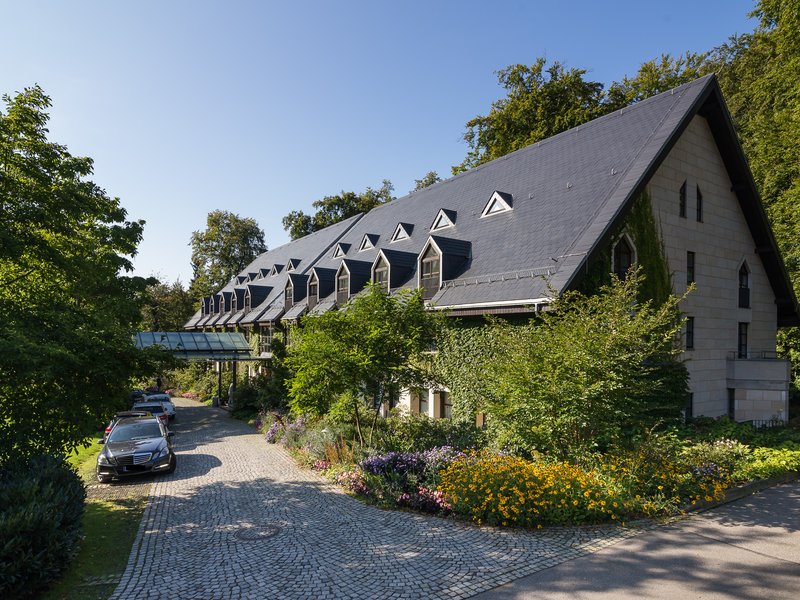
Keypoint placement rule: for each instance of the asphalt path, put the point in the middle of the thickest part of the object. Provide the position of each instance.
(749, 548)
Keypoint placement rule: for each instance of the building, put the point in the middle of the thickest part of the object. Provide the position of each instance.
(663, 177)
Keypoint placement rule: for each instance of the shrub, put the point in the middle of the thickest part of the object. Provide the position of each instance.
(40, 525)
(414, 433)
(769, 462)
(726, 454)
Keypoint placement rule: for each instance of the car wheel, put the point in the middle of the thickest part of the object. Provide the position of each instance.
(172, 464)
(104, 478)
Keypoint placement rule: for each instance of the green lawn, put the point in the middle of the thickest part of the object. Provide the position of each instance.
(109, 528)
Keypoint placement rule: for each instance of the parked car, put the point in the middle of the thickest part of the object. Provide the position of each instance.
(154, 408)
(165, 400)
(135, 446)
(123, 415)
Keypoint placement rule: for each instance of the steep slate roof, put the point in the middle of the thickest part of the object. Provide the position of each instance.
(568, 193)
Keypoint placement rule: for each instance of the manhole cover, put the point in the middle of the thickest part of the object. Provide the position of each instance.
(259, 532)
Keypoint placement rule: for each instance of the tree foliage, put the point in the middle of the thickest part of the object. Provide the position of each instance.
(332, 209)
(589, 367)
(427, 180)
(227, 245)
(365, 349)
(167, 307)
(69, 311)
(542, 101)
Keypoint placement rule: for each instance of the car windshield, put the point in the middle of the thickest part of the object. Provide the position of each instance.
(154, 408)
(135, 431)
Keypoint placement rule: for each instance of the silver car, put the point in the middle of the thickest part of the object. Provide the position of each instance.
(165, 399)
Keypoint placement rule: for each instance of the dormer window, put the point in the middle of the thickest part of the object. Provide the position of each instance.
(288, 297)
(380, 275)
(623, 256)
(430, 278)
(342, 287)
(293, 264)
(275, 270)
(340, 251)
(402, 232)
(313, 291)
(499, 202)
(233, 304)
(744, 286)
(444, 219)
(368, 242)
(247, 302)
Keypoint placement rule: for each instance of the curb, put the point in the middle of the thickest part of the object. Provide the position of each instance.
(745, 489)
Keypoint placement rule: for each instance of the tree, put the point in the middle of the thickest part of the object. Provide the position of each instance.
(590, 367)
(167, 307)
(541, 102)
(228, 244)
(69, 311)
(370, 346)
(428, 179)
(332, 209)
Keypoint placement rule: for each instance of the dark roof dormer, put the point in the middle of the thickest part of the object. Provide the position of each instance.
(499, 202)
(445, 218)
(358, 274)
(401, 265)
(340, 250)
(276, 269)
(325, 279)
(241, 279)
(368, 242)
(298, 283)
(454, 254)
(293, 264)
(237, 300)
(402, 232)
(257, 293)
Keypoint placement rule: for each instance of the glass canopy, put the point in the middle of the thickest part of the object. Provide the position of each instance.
(198, 345)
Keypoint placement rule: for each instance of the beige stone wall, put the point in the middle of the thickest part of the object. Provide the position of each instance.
(720, 243)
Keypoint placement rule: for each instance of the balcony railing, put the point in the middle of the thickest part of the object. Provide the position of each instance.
(754, 355)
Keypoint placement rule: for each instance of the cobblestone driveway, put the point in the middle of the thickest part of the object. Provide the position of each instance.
(239, 520)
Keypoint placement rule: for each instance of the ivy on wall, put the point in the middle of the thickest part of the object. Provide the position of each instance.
(641, 227)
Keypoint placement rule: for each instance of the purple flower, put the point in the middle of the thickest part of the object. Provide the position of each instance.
(272, 433)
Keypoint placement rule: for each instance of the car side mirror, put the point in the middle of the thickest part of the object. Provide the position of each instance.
(101, 441)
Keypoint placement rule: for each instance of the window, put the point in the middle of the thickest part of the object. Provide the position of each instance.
(742, 348)
(342, 287)
(313, 292)
(445, 405)
(430, 273)
(444, 219)
(423, 402)
(689, 268)
(288, 297)
(682, 205)
(498, 203)
(623, 258)
(380, 276)
(233, 304)
(401, 232)
(744, 286)
(689, 333)
(265, 339)
(699, 205)
(247, 302)
(731, 403)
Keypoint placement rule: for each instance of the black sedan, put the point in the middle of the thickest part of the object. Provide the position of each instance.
(136, 446)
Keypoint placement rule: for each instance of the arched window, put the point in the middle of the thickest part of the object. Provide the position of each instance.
(431, 268)
(744, 286)
(623, 258)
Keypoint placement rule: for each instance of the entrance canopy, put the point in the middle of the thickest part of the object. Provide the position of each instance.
(198, 345)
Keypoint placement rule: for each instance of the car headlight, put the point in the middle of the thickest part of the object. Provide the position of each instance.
(103, 460)
(163, 452)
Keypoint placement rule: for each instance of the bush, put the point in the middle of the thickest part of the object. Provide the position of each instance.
(415, 433)
(710, 429)
(769, 462)
(40, 525)
(728, 455)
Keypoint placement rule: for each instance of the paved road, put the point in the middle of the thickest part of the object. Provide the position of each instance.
(238, 520)
(747, 549)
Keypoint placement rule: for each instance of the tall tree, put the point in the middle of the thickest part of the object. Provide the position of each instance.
(227, 245)
(332, 209)
(167, 306)
(427, 180)
(69, 311)
(543, 101)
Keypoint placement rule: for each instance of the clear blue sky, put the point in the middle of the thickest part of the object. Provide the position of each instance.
(262, 107)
